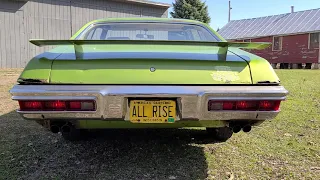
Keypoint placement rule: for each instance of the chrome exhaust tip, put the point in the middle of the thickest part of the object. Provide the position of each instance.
(246, 128)
(236, 129)
(66, 128)
(54, 129)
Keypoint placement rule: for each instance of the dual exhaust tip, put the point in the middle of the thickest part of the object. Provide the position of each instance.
(237, 128)
(65, 128)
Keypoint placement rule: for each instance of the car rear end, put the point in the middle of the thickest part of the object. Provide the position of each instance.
(150, 83)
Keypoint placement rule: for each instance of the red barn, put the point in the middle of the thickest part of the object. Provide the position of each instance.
(294, 37)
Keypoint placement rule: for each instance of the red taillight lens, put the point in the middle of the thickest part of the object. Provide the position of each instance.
(82, 105)
(269, 105)
(30, 105)
(242, 105)
(249, 105)
(75, 105)
(58, 105)
(228, 105)
(55, 105)
(220, 105)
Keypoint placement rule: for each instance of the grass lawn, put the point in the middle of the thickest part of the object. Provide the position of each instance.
(287, 147)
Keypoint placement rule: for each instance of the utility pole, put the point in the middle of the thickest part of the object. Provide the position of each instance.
(229, 11)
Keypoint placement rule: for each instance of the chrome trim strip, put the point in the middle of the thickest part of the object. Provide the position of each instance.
(112, 100)
(246, 98)
(54, 112)
(53, 98)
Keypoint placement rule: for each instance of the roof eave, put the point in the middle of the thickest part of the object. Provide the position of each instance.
(291, 34)
(148, 3)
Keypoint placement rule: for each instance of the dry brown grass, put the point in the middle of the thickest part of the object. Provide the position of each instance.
(285, 148)
(8, 78)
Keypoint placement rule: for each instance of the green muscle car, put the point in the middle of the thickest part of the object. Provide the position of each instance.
(148, 73)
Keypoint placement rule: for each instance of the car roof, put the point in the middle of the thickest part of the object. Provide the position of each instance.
(148, 19)
(142, 19)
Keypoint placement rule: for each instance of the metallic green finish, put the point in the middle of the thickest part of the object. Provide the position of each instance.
(37, 69)
(261, 70)
(138, 72)
(131, 71)
(100, 124)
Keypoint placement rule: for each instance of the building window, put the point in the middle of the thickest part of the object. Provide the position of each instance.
(314, 40)
(277, 43)
(247, 40)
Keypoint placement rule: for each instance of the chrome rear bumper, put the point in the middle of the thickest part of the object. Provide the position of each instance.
(112, 100)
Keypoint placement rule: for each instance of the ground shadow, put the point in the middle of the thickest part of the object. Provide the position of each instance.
(30, 151)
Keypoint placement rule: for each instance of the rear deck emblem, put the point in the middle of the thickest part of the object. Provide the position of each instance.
(152, 69)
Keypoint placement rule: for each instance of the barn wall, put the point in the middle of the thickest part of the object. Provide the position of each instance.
(12, 31)
(54, 19)
(84, 11)
(294, 50)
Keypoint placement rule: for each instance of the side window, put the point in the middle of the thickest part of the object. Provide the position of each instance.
(277, 43)
(177, 35)
(314, 41)
(202, 36)
(95, 34)
(195, 34)
(247, 40)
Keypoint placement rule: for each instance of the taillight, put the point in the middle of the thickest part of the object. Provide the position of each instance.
(228, 105)
(269, 105)
(57, 105)
(30, 105)
(244, 105)
(75, 105)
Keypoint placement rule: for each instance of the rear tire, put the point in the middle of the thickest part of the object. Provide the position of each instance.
(221, 134)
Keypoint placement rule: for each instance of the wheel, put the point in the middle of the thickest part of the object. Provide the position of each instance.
(220, 134)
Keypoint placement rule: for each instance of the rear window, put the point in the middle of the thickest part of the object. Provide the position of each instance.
(148, 31)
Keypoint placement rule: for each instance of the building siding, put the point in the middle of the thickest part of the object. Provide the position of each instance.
(295, 49)
(54, 19)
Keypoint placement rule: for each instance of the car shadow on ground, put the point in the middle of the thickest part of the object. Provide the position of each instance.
(30, 151)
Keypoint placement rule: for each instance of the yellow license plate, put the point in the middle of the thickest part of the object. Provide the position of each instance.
(149, 111)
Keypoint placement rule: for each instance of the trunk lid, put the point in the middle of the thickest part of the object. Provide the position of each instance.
(147, 63)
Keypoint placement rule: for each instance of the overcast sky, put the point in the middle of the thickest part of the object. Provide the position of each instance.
(243, 9)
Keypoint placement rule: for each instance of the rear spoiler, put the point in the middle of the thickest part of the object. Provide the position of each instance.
(79, 43)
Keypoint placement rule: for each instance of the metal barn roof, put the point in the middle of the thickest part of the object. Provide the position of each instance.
(283, 24)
